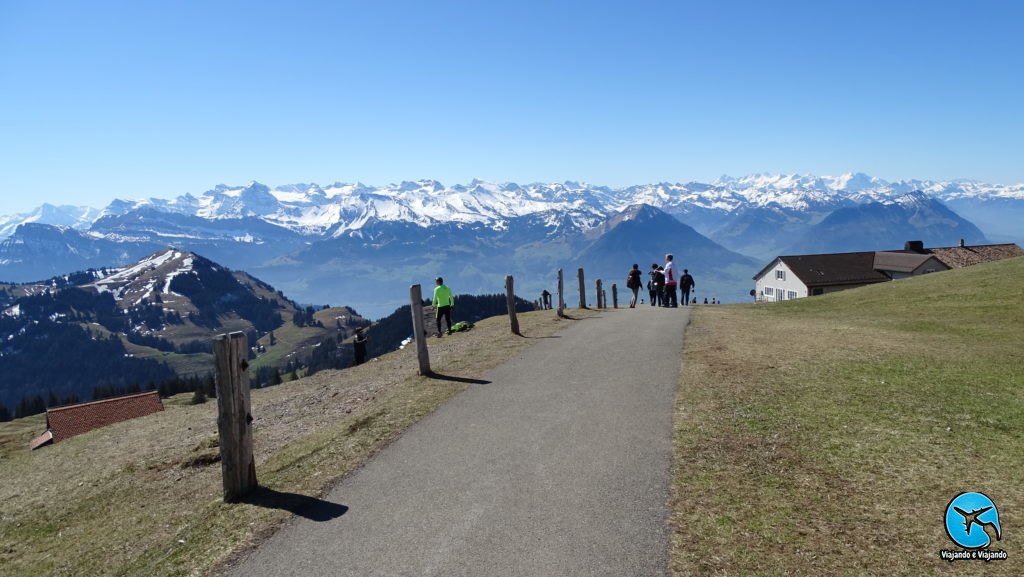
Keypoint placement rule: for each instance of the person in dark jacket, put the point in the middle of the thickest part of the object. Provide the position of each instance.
(685, 285)
(634, 283)
(659, 283)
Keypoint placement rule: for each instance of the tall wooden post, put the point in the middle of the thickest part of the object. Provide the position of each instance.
(600, 301)
(583, 290)
(419, 332)
(615, 296)
(561, 294)
(234, 415)
(510, 299)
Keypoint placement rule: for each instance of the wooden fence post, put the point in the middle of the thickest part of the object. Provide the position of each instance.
(419, 332)
(561, 294)
(600, 301)
(615, 296)
(234, 415)
(583, 290)
(510, 296)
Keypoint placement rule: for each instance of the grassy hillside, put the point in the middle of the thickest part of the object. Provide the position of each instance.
(826, 436)
(143, 497)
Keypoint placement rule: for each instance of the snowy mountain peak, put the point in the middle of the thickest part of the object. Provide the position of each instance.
(147, 278)
(311, 210)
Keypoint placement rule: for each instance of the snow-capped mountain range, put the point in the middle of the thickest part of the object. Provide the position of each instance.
(312, 210)
(364, 245)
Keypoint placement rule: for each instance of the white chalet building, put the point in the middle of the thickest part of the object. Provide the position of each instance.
(798, 276)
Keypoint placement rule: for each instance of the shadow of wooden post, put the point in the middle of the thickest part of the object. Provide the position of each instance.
(419, 331)
(234, 415)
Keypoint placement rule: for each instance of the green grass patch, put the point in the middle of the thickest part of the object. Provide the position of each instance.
(825, 436)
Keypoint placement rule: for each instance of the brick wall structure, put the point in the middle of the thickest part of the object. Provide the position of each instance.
(66, 422)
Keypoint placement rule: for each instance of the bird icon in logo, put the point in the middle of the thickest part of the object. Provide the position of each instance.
(967, 510)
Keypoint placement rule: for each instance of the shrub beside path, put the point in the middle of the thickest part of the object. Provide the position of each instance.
(557, 463)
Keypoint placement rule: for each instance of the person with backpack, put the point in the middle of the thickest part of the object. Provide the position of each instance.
(634, 283)
(686, 284)
(443, 303)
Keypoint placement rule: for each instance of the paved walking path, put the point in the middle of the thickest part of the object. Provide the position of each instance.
(560, 466)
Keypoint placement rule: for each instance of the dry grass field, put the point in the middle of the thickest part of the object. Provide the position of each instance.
(826, 436)
(144, 497)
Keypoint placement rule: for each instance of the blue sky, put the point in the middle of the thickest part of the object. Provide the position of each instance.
(100, 100)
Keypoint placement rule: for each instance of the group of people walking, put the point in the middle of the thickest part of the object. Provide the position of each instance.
(663, 285)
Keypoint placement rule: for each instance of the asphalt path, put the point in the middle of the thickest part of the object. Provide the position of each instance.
(559, 466)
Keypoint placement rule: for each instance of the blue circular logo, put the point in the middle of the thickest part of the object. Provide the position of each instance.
(972, 520)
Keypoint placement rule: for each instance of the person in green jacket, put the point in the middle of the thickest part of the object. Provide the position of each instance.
(443, 304)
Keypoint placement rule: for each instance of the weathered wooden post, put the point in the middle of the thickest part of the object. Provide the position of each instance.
(583, 290)
(419, 332)
(510, 299)
(600, 302)
(561, 294)
(234, 415)
(615, 296)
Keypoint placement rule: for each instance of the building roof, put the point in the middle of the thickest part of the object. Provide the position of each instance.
(65, 422)
(847, 268)
(903, 261)
(831, 269)
(961, 256)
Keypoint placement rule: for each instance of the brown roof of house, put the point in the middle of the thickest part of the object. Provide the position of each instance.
(65, 422)
(903, 261)
(961, 256)
(834, 269)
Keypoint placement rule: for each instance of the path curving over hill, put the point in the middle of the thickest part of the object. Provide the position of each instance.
(558, 465)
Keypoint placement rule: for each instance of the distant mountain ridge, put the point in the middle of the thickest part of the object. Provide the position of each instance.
(360, 244)
(312, 210)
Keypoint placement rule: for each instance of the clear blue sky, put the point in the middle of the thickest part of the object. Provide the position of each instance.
(104, 99)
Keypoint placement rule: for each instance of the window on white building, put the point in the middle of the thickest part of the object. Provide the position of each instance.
(769, 290)
(791, 295)
(780, 275)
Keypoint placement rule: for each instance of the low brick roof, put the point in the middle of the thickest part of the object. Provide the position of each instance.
(66, 422)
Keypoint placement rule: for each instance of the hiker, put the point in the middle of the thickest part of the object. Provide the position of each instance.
(443, 303)
(685, 285)
(359, 344)
(658, 278)
(634, 283)
(652, 289)
(671, 279)
(545, 299)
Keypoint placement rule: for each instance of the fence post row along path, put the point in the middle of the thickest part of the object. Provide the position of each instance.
(234, 416)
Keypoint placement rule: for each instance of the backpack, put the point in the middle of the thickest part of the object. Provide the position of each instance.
(461, 326)
(633, 279)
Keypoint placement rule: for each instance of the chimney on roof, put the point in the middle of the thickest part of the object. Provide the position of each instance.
(914, 245)
(961, 242)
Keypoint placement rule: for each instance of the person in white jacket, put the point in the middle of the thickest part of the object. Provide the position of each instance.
(671, 280)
